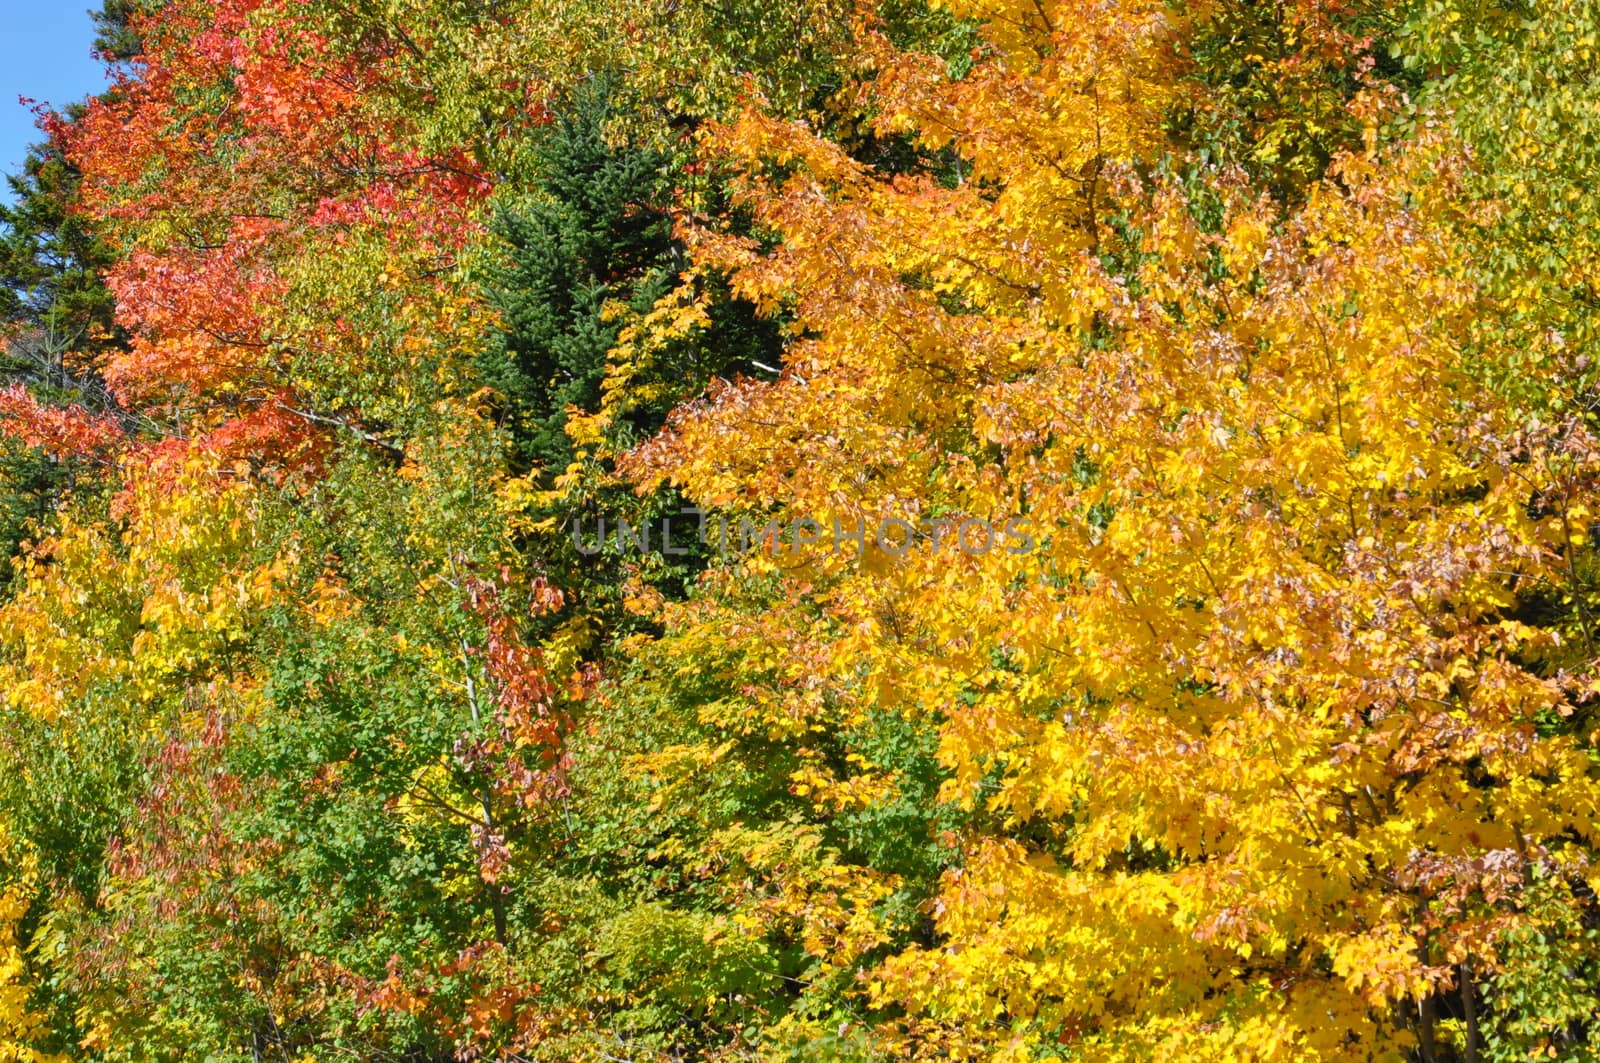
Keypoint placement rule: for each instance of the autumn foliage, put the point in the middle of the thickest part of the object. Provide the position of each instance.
(1265, 732)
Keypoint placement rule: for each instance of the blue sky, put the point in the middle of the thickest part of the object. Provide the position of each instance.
(44, 54)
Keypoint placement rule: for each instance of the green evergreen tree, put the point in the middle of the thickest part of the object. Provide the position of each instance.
(115, 39)
(57, 323)
(594, 232)
(594, 228)
(52, 295)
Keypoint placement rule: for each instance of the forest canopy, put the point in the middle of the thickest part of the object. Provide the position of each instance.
(656, 530)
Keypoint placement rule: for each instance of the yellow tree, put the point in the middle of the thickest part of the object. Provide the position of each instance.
(1270, 744)
(19, 1023)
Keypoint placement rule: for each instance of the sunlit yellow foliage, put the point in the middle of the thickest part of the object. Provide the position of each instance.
(19, 1024)
(166, 598)
(1259, 696)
